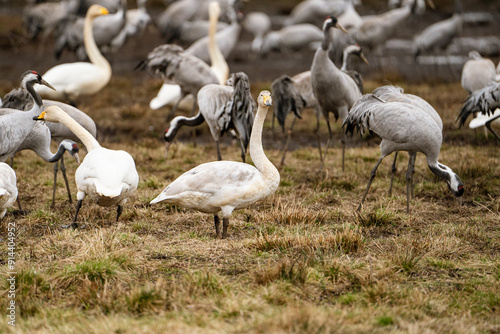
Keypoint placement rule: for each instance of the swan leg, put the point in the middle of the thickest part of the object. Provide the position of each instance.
(74, 224)
(225, 224)
(219, 156)
(372, 176)
(217, 225)
(119, 211)
(288, 139)
(393, 170)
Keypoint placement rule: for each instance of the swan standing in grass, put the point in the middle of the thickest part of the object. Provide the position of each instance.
(107, 176)
(8, 188)
(72, 80)
(227, 185)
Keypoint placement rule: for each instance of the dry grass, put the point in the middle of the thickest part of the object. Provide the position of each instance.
(301, 261)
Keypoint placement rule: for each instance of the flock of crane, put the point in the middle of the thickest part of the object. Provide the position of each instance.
(198, 78)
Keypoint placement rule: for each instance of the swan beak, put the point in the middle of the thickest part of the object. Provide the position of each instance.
(363, 58)
(267, 101)
(43, 82)
(339, 26)
(167, 147)
(76, 157)
(104, 11)
(39, 117)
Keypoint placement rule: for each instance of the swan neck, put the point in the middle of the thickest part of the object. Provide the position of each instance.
(86, 138)
(91, 48)
(259, 158)
(217, 60)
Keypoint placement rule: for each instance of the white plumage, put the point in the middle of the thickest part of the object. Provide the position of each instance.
(8, 188)
(108, 177)
(227, 185)
(72, 80)
(478, 72)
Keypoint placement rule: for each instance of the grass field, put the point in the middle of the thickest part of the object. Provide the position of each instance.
(301, 261)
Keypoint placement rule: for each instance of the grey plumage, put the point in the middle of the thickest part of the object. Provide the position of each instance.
(291, 38)
(335, 91)
(402, 127)
(224, 108)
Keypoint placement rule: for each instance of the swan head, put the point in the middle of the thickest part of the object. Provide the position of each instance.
(264, 99)
(214, 10)
(51, 114)
(332, 22)
(33, 77)
(73, 149)
(96, 10)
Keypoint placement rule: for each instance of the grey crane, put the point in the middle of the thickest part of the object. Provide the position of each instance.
(310, 11)
(440, 34)
(478, 72)
(485, 101)
(224, 108)
(396, 94)
(70, 34)
(295, 93)
(402, 127)
(170, 21)
(335, 90)
(173, 64)
(16, 126)
(21, 99)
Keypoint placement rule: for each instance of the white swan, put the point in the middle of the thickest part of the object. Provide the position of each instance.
(8, 188)
(72, 80)
(227, 185)
(107, 176)
(170, 93)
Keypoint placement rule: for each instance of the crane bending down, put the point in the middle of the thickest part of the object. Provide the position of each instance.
(224, 108)
(485, 101)
(107, 176)
(402, 127)
(390, 93)
(227, 185)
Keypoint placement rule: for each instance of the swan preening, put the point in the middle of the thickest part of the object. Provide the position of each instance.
(227, 185)
(108, 177)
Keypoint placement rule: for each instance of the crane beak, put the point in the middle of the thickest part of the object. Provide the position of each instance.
(460, 202)
(431, 4)
(76, 157)
(363, 58)
(339, 26)
(39, 117)
(43, 82)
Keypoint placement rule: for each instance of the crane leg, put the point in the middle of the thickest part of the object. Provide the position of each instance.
(119, 211)
(372, 176)
(225, 224)
(330, 134)
(243, 151)
(393, 170)
(488, 125)
(343, 150)
(63, 170)
(217, 225)
(174, 109)
(288, 139)
(409, 180)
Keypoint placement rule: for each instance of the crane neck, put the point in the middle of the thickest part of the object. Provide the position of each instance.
(54, 157)
(179, 122)
(86, 138)
(259, 158)
(36, 97)
(93, 52)
(326, 39)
